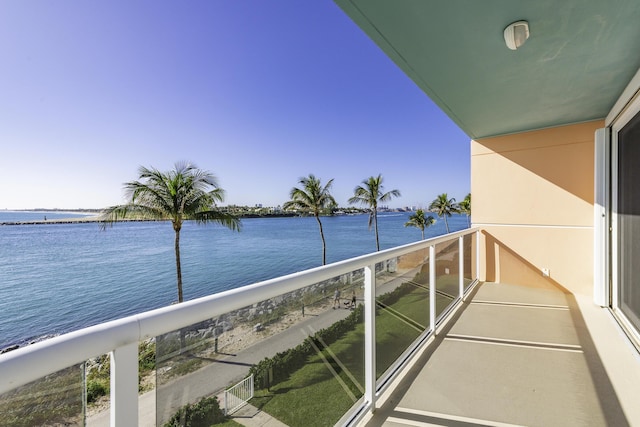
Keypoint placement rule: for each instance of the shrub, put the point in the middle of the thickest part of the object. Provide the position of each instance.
(271, 371)
(202, 414)
(96, 389)
(147, 356)
(98, 378)
(395, 295)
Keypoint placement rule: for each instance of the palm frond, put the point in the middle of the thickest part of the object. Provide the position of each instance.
(311, 196)
(389, 195)
(182, 193)
(230, 221)
(361, 196)
(442, 205)
(129, 211)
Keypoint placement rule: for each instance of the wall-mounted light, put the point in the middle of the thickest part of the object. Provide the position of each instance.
(516, 34)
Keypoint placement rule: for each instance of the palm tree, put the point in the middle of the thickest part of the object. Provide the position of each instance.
(443, 207)
(369, 195)
(313, 198)
(184, 193)
(420, 221)
(465, 207)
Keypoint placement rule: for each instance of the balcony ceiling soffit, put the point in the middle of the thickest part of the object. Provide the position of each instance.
(580, 56)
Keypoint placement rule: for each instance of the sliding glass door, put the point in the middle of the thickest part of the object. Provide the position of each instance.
(626, 219)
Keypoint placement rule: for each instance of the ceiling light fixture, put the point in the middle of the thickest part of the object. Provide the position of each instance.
(516, 34)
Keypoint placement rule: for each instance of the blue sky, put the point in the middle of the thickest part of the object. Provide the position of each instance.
(260, 93)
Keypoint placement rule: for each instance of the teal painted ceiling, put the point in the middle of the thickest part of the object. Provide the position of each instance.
(580, 56)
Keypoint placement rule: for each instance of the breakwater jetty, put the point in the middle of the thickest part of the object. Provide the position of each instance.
(97, 219)
(67, 221)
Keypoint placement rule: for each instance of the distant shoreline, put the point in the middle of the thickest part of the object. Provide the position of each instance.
(56, 210)
(65, 221)
(95, 218)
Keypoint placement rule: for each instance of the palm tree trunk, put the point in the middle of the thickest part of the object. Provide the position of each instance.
(375, 226)
(183, 339)
(446, 224)
(422, 233)
(178, 268)
(468, 221)
(324, 245)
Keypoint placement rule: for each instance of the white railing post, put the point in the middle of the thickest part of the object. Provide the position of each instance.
(461, 264)
(370, 335)
(478, 254)
(432, 288)
(124, 385)
(251, 389)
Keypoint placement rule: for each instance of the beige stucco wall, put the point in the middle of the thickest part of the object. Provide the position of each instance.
(533, 195)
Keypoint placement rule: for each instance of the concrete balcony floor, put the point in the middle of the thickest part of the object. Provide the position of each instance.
(517, 355)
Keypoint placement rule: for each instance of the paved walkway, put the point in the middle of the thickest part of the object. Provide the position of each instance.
(251, 416)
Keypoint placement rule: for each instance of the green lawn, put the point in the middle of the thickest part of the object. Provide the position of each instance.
(320, 392)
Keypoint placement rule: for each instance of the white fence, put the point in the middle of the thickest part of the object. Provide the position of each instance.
(238, 395)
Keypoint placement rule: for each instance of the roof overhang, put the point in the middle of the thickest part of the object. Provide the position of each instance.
(580, 56)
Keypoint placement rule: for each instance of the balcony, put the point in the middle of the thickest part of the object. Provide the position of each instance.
(425, 343)
(519, 355)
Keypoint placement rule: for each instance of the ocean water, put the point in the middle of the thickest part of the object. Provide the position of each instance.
(56, 278)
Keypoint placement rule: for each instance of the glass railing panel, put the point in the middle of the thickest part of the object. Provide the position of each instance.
(447, 275)
(55, 400)
(305, 350)
(468, 242)
(402, 305)
(98, 387)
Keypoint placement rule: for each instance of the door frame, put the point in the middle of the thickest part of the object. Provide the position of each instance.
(630, 111)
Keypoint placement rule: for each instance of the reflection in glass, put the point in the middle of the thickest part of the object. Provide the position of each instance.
(299, 346)
(628, 216)
(57, 399)
(467, 242)
(447, 275)
(402, 305)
